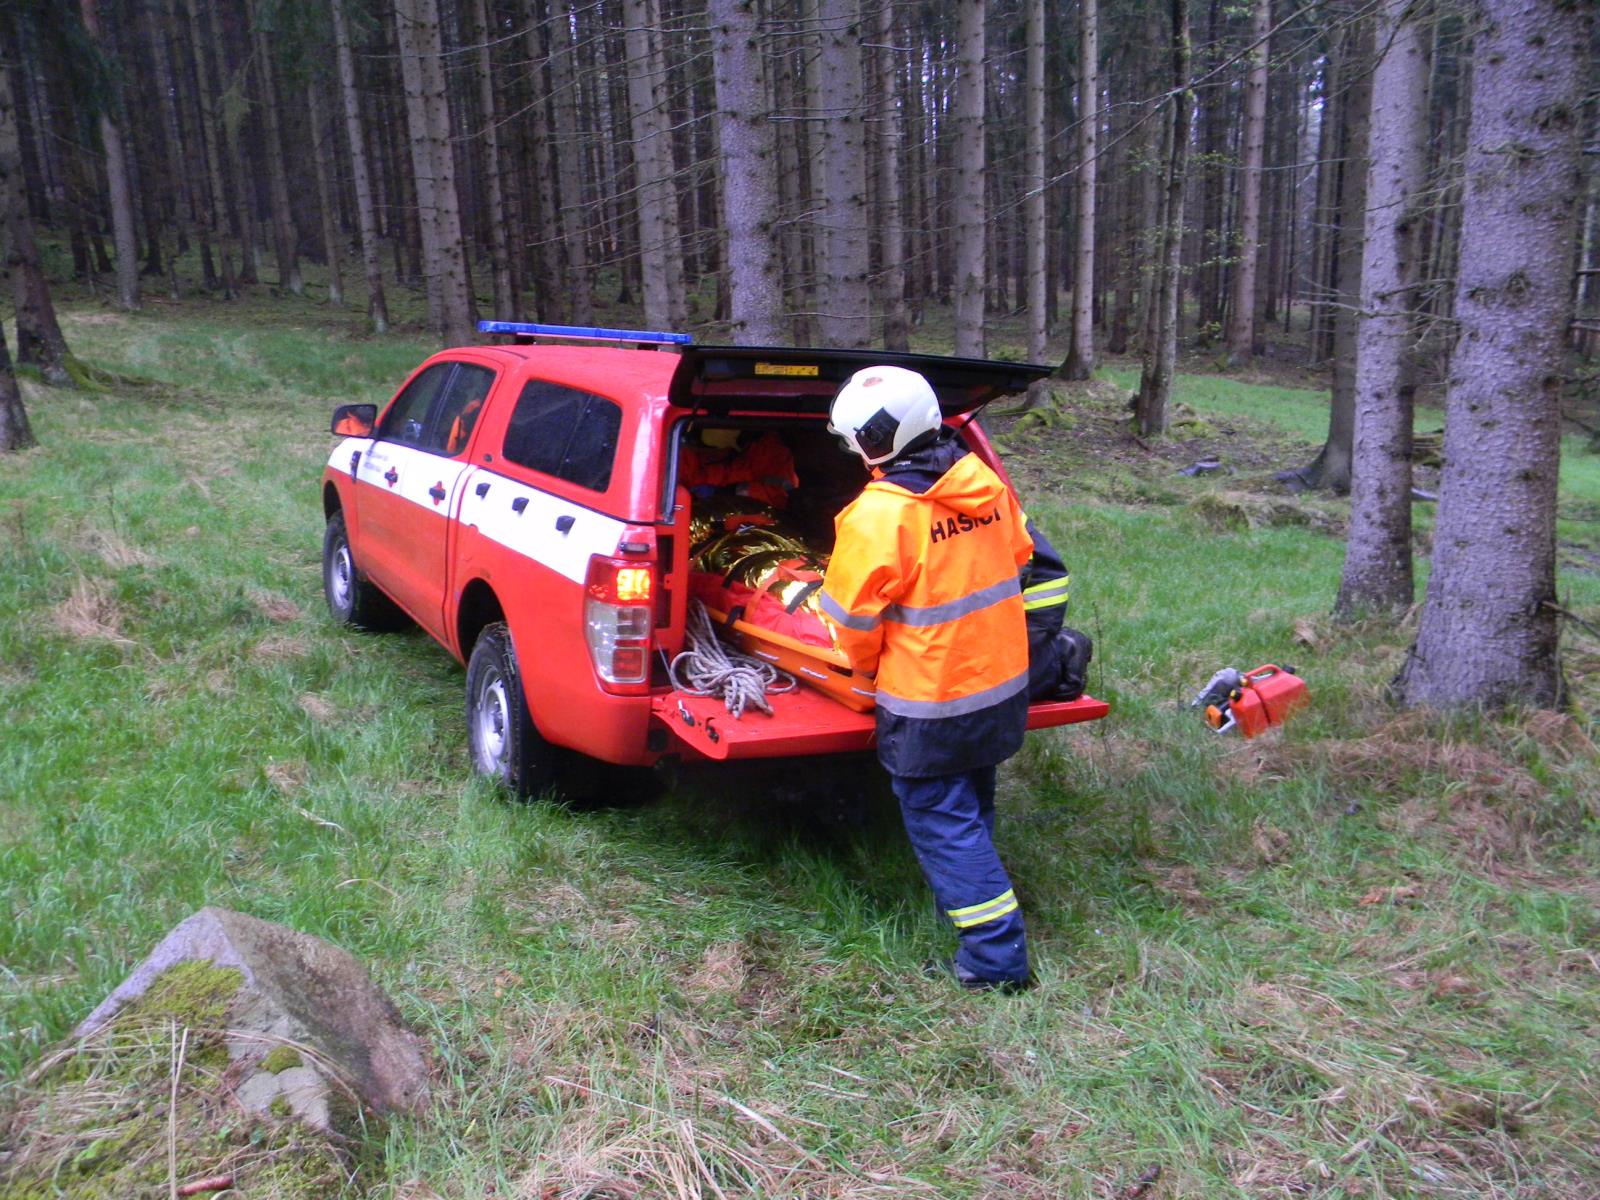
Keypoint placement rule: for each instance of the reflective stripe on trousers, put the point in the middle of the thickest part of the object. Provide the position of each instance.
(950, 821)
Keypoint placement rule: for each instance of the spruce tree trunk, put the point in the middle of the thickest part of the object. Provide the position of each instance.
(1161, 348)
(1242, 310)
(569, 166)
(1352, 224)
(891, 222)
(179, 182)
(361, 176)
(1080, 359)
(285, 238)
(320, 155)
(117, 183)
(969, 217)
(40, 342)
(664, 301)
(749, 175)
(845, 317)
(458, 310)
(1488, 635)
(1377, 564)
(15, 433)
(207, 120)
(505, 298)
(1037, 245)
(424, 167)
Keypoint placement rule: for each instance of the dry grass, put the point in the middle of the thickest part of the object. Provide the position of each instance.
(90, 613)
(114, 551)
(276, 608)
(687, 1143)
(279, 647)
(142, 1106)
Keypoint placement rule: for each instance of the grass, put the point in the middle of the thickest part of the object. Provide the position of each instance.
(1354, 958)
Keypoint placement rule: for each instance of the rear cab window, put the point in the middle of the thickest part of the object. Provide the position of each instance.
(566, 433)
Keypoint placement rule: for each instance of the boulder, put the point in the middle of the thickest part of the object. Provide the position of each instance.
(306, 1025)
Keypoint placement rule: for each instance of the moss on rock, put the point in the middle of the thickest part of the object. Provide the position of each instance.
(281, 1058)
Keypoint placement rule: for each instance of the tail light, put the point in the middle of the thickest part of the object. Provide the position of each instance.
(618, 604)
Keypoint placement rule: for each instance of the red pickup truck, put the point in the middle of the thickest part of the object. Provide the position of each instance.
(522, 504)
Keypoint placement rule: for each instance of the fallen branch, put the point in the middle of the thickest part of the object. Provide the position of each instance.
(216, 1183)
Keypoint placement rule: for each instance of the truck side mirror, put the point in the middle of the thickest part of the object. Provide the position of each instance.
(354, 420)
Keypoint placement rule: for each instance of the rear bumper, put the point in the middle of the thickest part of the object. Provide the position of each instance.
(806, 722)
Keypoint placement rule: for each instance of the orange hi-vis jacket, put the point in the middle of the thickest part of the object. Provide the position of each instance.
(923, 586)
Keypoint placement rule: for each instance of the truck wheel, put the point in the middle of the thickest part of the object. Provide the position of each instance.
(501, 734)
(351, 599)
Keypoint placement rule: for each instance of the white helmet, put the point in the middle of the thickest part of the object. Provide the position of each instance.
(881, 411)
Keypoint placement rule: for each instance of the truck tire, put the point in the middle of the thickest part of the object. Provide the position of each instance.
(351, 599)
(501, 736)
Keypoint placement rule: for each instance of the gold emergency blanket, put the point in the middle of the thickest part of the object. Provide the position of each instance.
(749, 544)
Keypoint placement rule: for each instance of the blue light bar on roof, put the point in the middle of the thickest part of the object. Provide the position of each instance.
(586, 333)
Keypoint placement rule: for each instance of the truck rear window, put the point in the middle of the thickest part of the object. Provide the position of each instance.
(565, 432)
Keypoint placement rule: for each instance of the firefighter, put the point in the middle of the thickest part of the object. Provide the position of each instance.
(923, 586)
(1058, 655)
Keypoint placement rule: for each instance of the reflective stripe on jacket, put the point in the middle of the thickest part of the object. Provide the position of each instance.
(923, 586)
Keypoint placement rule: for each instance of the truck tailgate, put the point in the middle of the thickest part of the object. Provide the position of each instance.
(805, 722)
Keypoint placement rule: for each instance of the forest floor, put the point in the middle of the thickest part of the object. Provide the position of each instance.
(1358, 957)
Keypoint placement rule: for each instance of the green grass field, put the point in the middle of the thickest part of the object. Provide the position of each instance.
(1357, 958)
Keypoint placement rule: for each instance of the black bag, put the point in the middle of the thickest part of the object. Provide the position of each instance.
(1058, 663)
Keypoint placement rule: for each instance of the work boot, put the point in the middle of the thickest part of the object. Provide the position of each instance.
(948, 968)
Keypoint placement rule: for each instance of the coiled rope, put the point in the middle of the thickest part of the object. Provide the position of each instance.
(709, 668)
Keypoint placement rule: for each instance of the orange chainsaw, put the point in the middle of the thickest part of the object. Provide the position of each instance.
(1252, 701)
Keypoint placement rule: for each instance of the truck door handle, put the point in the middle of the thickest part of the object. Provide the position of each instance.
(520, 503)
(565, 522)
(437, 492)
(392, 476)
(483, 490)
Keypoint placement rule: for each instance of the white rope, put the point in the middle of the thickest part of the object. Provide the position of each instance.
(709, 668)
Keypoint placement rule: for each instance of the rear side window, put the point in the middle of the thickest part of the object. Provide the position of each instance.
(407, 419)
(565, 432)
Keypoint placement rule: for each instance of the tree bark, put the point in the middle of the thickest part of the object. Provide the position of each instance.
(40, 342)
(1377, 565)
(970, 218)
(505, 298)
(361, 176)
(1242, 313)
(891, 221)
(285, 238)
(15, 433)
(1036, 243)
(845, 317)
(1488, 634)
(325, 199)
(1161, 349)
(569, 166)
(1080, 358)
(122, 227)
(1342, 257)
(423, 165)
(459, 310)
(207, 120)
(660, 263)
(749, 175)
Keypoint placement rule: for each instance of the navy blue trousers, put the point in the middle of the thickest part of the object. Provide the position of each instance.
(950, 821)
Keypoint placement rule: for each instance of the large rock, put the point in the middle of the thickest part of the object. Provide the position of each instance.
(306, 1025)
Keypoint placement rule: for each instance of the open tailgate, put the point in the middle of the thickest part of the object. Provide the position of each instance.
(806, 722)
